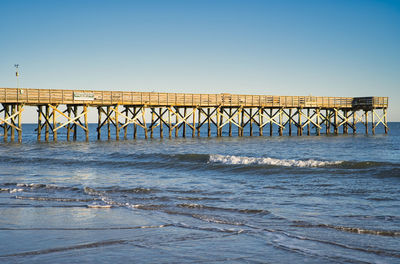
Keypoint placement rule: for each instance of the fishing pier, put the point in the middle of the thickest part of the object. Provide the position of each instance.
(175, 113)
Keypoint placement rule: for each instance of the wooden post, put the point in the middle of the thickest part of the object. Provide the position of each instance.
(335, 120)
(208, 123)
(169, 123)
(385, 120)
(242, 121)
(126, 121)
(366, 121)
(69, 125)
(176, 122)
(117, 128)
(230, 121)
(98, 123)
(152, 122)
(318, 130)
(373, 121)
(75, 126)
(86, 122)
(260, 120)
(280, 122)
(194, 122)
(290, 122)
(345, 127)
(134, 124)
(12, 122)
(19, 107)
(251, 121)
(239, 122)
(327, 121)
(308, 124)
(299, 125)
(270, 122)
(161, 123)
(221, 120)
(46, 136)
(108, 123)
(199, 122)
(146, 136)
(39, 128)
(54, 123)
(184, 123)
(354, 122)
(218, 122)
(6, 114)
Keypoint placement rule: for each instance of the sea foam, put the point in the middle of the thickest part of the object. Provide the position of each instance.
(240, 160)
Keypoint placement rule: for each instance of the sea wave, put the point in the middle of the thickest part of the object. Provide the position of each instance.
(201, 161)
(241, 160)
(213, 208)
(357, 230)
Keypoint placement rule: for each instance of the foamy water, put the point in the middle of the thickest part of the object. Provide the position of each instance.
(238, 160)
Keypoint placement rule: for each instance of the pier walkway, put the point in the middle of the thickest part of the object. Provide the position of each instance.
(67, 109)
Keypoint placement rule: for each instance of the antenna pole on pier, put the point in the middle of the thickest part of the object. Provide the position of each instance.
(17, 74)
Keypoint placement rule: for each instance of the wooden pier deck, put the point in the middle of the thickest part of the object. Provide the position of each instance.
(180, 110)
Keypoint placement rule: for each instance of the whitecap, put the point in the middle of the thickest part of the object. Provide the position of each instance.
(101, 206)
(241, 160)
(16, 190)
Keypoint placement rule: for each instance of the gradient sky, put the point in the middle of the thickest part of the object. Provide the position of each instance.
(321, 47)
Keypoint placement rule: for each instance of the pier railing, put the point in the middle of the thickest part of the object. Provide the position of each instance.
(53, 96)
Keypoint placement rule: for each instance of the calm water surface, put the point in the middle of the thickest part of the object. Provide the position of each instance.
(309, 199)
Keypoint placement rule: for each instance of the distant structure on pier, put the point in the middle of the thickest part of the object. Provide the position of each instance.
(67, 109)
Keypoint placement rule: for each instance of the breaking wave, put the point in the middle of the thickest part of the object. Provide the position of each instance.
(239, 160)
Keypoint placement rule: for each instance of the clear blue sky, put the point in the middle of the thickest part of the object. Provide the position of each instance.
(283, 47)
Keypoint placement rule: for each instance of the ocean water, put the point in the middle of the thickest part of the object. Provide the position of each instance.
(308, 199)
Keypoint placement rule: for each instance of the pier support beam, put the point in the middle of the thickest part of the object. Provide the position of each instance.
(39, 127)
(115, 109)
(199, 121)
(261, 120)
(346, 121)
(99, 112)
(373, 121)
(131, 115)
(327, 121)
(208, 118)
(308, 121)
(12, 127)
(290, 121)
(160, 116)
(280, 122)
(5, 122)
(52, 117)
(271, 118)
(381, 119)
(12, 121)
(317, 118)
(299, 122)
(219, 122)
(182, 120)
(335, 121)
(251, 121)
(270, 122)
(385, 120)
(51, 122)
